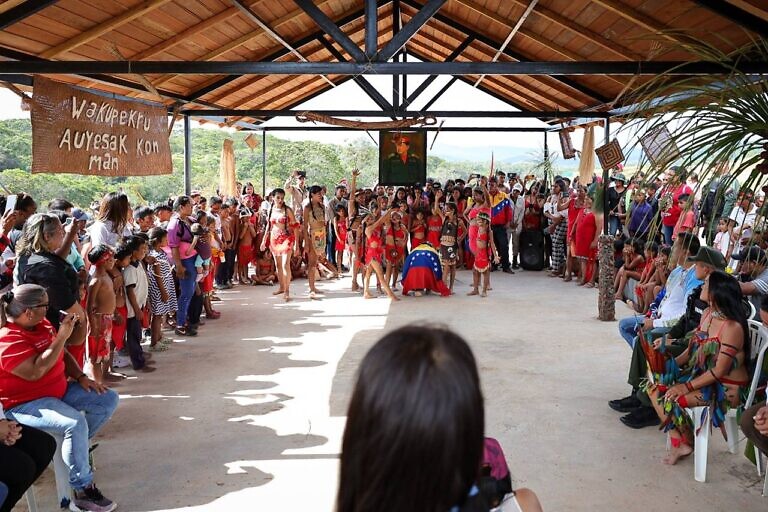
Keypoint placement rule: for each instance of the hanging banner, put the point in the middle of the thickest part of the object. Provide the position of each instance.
(78, 132)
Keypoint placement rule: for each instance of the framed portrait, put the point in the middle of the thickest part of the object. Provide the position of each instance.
(402, 157)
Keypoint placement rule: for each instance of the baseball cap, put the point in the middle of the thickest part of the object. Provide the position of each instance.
(79, 214)
(518, 187)
(709, 256)
(752, 253)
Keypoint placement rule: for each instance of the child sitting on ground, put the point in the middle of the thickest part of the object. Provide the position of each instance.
(632, 268)
(648, 277)
(265, 270)
(100, 307)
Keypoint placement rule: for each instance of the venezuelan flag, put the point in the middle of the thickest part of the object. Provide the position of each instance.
(422, 271)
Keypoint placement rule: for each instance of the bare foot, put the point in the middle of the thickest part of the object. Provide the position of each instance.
(589, 285)
(393, 297)
(355, 287)
(313, 295)
(278, 292)
(678, 453)
(287, 297)
(473, 292)
(484, 293)
(417, 294)
(367, 295)
(568, 279)
(580, 283)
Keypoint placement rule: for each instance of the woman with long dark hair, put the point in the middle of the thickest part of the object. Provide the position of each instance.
(712, 371)
(315, 228)
(282, 240)
(112, 220)
(415, 425)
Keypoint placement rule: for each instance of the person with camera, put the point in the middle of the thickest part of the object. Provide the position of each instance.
(42, 386)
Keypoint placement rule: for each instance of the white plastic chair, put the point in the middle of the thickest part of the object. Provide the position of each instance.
(758, 337)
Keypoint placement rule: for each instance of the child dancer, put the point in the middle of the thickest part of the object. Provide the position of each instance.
(418, 229)
(340, 229)
(162, 291)
(100, 306)
(449, 243)
(374, 251)
(355, 231)
(435, 223)
(315, 230)
(647, 278)
(396, 251)
(482, 246)
(245, 248)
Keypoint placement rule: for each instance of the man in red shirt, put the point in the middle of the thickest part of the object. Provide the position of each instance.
(501, 219)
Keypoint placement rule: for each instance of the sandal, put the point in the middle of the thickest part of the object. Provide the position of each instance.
(158, 347)
(213, 315)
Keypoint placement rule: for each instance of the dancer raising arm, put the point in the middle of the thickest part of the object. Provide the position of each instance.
(374, 251)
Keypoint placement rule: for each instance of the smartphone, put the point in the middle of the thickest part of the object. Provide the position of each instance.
(69, 221)
(62, 315)
(10, 202)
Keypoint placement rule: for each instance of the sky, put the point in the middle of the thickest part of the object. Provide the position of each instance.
(455, 146)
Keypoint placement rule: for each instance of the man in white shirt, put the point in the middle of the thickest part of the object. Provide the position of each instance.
(517, 201)
(741, 221)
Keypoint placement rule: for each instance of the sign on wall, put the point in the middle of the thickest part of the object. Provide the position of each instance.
(78, 132)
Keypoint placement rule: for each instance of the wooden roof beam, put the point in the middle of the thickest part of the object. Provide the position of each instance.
(273, 54)
(554, 100)
(526, 97)
(273, 34)
(21, 12)
(638, 18)
(102, 28)
(465, 30)
(605, 43)
(736, 15)
(431, 78)
(403, 35)
(333, 30)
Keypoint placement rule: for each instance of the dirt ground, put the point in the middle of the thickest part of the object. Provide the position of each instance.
(249, 415)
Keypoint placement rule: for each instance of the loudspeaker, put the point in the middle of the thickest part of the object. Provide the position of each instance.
(532, 250)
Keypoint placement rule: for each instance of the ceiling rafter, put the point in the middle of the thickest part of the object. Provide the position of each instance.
(552, 83)
(102, 28)
(23, 11)
(529, 34)
(642, 20)
(542, 11)
(275, 53)
(528, 99)
(465, 30)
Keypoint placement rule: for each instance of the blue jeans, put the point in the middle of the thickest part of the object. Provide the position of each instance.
(628, 329)
(186, 290)
(614, 224)
(62, 418)
(3, 493)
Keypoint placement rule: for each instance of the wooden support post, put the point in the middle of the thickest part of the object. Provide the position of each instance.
(264, 164)
(187, 156)
(606, 306)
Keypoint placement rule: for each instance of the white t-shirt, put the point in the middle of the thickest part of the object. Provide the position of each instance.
(102, 232)
(743, 220)
(722, 242)
(136, 276)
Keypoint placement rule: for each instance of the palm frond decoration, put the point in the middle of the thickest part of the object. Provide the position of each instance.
(714, 121)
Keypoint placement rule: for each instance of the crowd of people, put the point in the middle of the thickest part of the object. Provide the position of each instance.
(91, 292)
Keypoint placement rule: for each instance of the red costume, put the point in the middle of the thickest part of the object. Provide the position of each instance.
(374, 249)
(435, 225)
(341, 240)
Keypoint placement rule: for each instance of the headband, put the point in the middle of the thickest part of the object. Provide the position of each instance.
(104, 257)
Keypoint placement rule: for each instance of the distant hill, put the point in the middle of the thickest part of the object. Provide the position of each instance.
(325, 163)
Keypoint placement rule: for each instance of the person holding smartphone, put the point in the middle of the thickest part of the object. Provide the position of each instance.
(35, 390)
